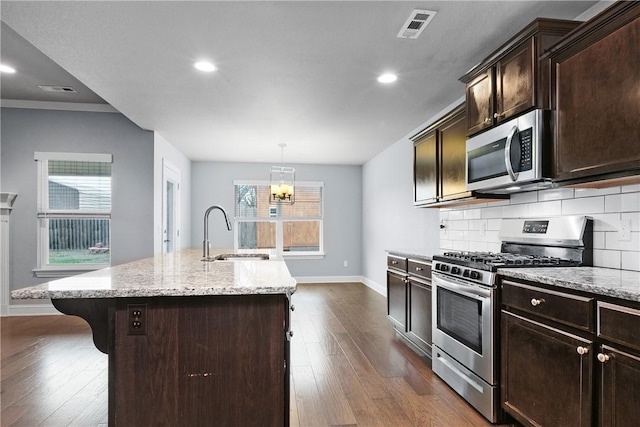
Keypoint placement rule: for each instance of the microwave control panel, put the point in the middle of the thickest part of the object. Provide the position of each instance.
(526, 162)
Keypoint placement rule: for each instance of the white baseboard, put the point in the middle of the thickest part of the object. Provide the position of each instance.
(29, 310)
(382, 290)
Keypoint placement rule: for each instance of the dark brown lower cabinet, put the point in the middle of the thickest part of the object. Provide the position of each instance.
(419, 315)
(409, 301)
(397, 300)
(619, 388)
(199, 361)
(546, 374)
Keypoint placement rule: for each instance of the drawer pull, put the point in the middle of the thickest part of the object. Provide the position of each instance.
(536, 302)
(293, 307)
(603, 358)
(582, 350)
(418, 268)
(394, 262)
(487, 120)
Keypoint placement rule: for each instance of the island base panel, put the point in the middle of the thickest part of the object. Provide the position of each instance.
(200, 361)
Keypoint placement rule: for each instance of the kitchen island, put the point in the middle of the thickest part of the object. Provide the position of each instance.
(189, 342)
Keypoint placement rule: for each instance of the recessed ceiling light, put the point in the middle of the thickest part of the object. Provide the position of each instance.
(205, 66)
(387, 78)
(6, 69)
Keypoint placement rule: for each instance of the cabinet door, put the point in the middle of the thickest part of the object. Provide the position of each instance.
(620, 388)
(479, 102)
(425, 170)
(453, 145)
(597, 108)
(397, 300)
(545, 381)
(514, 82)
(419, 316)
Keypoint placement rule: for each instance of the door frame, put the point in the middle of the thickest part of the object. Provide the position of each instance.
(170, 173)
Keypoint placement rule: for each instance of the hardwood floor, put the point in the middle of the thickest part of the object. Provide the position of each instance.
(348, 369)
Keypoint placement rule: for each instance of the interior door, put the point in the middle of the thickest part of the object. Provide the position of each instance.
(170, 208)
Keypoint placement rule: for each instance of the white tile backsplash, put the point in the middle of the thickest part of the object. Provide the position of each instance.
(587, 205)
(591, 192)
(476, 227)
(528, 197)
(555, 194)
(608, 259)
(631, 260)
(549, 208)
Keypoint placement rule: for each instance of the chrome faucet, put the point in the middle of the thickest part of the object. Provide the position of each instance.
(205, 243)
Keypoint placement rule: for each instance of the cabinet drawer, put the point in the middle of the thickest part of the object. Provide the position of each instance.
(419, 268)
(397, 263)
(558, 306)
(619, 324)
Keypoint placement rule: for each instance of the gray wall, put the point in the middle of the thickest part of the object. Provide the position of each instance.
(212, 183)
(389, 220)
(25, 131)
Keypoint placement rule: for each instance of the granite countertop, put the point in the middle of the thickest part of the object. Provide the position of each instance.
(179, 274)
(417, 253)
(623, 284)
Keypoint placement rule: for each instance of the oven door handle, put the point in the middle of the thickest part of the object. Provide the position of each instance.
(460, 287)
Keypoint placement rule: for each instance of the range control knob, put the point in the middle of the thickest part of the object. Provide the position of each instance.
(455, 270)
(475, 275)
(444, 267)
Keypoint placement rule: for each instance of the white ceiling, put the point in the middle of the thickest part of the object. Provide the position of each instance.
(296, 72)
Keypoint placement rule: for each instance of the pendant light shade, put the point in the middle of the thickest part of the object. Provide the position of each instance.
(282, 180)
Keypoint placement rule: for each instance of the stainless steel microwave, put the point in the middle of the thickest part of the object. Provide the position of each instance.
(511, 157)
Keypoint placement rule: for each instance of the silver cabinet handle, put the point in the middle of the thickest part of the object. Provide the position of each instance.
(582, 350)
(536, 302)
(293, 307)
(603, 358)
(418, 268)
(394, 262)
(487, 120)
(498, 115)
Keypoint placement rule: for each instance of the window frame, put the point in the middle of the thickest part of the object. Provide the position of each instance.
(279, 221)
(44, 213)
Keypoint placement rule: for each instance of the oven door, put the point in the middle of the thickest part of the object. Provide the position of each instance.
(463, 323)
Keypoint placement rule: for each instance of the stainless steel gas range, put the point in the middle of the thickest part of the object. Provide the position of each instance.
(466, 300)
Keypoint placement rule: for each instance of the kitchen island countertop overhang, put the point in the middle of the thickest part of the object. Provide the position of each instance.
(178, 274)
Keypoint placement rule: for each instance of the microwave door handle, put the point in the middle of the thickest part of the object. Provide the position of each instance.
(507, 154)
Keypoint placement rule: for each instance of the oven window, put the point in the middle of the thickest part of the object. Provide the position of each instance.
(460, 317)
(487, 162)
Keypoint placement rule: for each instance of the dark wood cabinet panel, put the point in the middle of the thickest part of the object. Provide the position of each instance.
(619, 325)
(425, 169)
(515, 82)
(202, 358)
(409, 301)
(397, 300)
(545, 381)
(596, 80)
(419, 321)
(620, 388)
(512, 80)
(453, 143)
(575, 311)
(479, 102)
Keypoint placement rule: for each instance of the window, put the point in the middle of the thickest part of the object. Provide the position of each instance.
(74, 213)
(291, 230)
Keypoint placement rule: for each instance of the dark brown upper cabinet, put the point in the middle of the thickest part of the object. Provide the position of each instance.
(510, 80)
(439, 164)
(439, 160)
(595, 80)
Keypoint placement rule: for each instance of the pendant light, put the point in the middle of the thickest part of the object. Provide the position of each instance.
(282, 182)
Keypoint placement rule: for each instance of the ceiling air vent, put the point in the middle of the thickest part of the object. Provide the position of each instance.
(416, 23)
(65, 89)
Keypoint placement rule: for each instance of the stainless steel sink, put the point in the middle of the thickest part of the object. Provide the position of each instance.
(237, 257)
